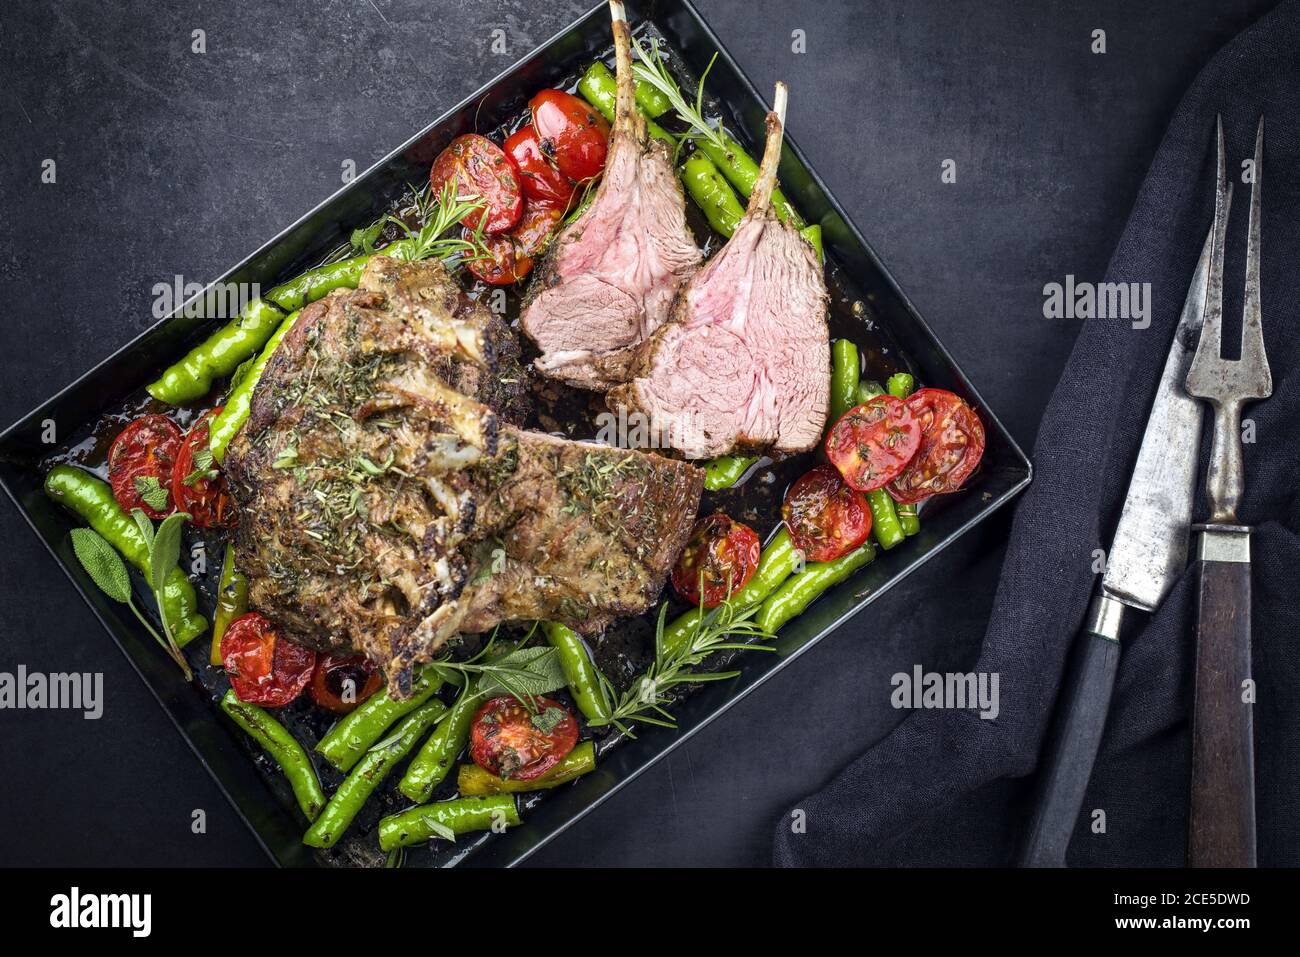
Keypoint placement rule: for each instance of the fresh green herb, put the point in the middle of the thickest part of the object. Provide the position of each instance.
(364, 239)
(107, 570)
(547, 719)
(287, 458)
(437, 216)
(524, 673)
(240, 374)
(102, 563)
(653, 70)
(396, 858)
(442, 830)
(204, 468)
(645, 700)
(151, 492)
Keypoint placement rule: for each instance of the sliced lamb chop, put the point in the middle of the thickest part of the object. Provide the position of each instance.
(744, 363)
(609, 278)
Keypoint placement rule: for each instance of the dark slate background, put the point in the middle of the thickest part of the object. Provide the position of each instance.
(171, 162)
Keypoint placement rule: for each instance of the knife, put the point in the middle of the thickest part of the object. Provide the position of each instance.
(1147, 555)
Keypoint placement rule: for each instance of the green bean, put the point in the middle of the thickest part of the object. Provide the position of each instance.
(276, 740)
(91, 499)
(650, 100)
(219, 355)
(315, 283)
(741, 170)
(801, 590)
(886, 527)
(726, 471)
(232, 601)
(776, 563)
(349, 739)
(599, 87)
(458, 817)
(369, 773)
(710, 191)
(813, 234)
(240, 401)
(433, 762)
(901, 385)
(579, 672)
(868, 390)
(473, 781)
(845, 370)
(582, 207)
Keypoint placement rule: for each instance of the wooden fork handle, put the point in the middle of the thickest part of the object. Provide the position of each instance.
(1222, 819)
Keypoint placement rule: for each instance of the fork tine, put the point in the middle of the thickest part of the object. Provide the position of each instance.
(1208, 348)
(1253, 356)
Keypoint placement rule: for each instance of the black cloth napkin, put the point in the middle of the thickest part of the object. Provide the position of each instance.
(946, 787)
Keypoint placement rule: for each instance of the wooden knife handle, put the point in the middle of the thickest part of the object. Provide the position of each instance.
(1071, 749)
(1222, 820)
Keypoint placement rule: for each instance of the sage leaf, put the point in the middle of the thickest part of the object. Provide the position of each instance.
(102, 563)
(166, 551)
(525, 673)
(145, 524)
(240, 374)
(547, 720)
(151, 492)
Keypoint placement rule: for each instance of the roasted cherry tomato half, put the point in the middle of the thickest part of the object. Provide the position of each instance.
(571, 133)
(538, 176)
(341, 682)
(140, 463)
(511, 254)
(505, 263)
(825, 518)
(508, 740)
(481, 170)
(952, 444)
(873, 442)
(719, 559)
(263, 667)
(197, 485)
(536, 226)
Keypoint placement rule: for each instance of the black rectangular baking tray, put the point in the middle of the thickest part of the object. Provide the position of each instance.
(264, 803)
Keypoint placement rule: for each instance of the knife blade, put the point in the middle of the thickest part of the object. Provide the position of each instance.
(1147, 553)
(1149, 550)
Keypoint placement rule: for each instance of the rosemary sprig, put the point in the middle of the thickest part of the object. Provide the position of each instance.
(434, 216)
(438, 214)
(653, 70)
(645, 700)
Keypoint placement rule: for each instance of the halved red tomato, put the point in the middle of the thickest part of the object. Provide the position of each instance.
(508, 740)
(537, 175)
(480, 169)
(511, 254)
(719, 559)
(571, 133)
(197, 485)
(873, 442)
(140, 463)
(952, 444)
(825, 518)
(536, 225)
(341, 682)
(263, 667)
